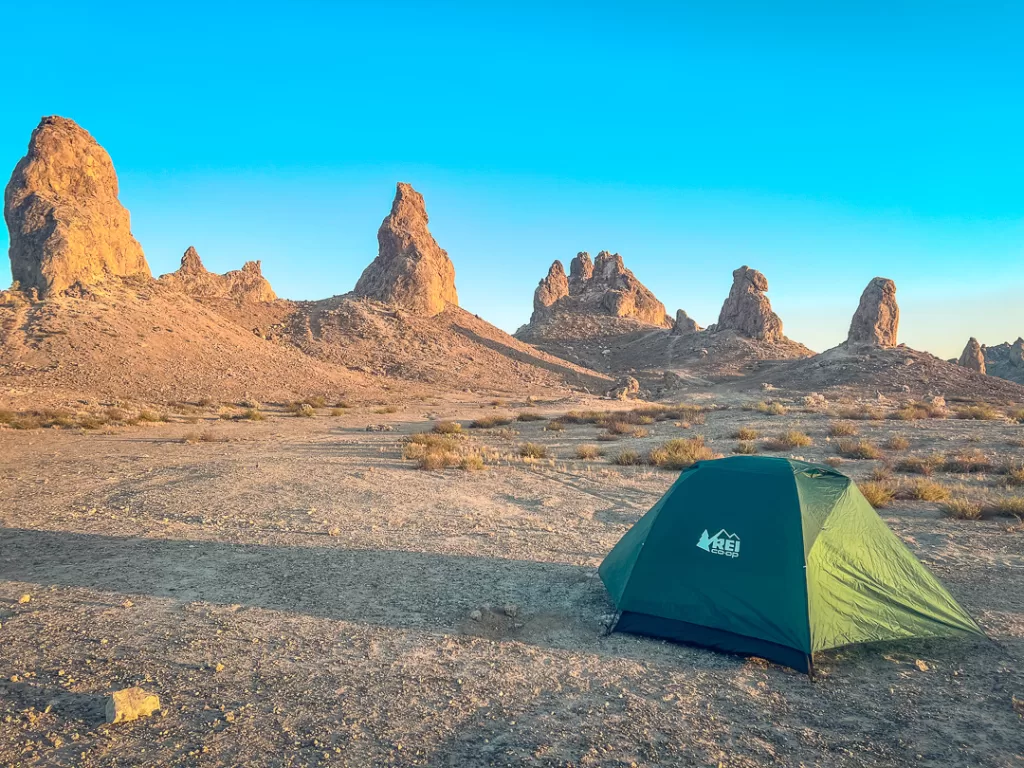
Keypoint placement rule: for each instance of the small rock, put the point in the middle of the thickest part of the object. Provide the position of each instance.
(219, 667)
(25, 598)
(475, 615)
(131, 704)
(921, 665)
(511, 610)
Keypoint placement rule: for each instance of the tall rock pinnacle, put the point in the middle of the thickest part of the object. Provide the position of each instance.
(747, 310)
(66, 223)
(877, 319)
(973, 356)
(411, 269)
(552, 287)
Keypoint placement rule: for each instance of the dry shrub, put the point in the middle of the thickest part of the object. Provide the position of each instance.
(1013, 505)
(252, 414)
(897, 443)
(439, 451)
(834, 461)
(533, 451)
(337, 411)
(528, 416)
(979, 412)
(447, 428)
(788, 440)
(857, 449)
(917, 410)
(962, 508)
(342, 405)
(639, 432)
(489, 422)
(627, 459)
(386, 409)
(878, 493)
(584, 417)
(1014, 474)
(555, 426)
(619, 427)
(922, 489)
(745, 434)
(1017, 415)
(151, 416)
(771, 408)
(588, 452)
(842, 429)
(472, 462)
(745, 447)
(881, 475)
(681, 453)
(861, 413)
(917, 465)
(648, 414)
(967, 462)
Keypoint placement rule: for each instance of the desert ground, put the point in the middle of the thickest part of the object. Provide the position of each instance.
(298, 591)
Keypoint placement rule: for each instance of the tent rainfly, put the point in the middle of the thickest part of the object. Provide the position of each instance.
(776, 558)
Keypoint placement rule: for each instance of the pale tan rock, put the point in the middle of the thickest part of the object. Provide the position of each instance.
(877, 319)
(747, 310)
(131, 704)
(245, 284)
(684, 324)
(551, 288)
(66, 223)
(581, 269)
(411, 269)
(973, 356)
(625, 388)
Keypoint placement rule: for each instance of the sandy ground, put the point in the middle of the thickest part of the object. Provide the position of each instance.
(298, 594)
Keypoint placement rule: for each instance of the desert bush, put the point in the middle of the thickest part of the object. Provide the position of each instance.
(917, 410)
(842, 429)
(619, 427)
(305, 410)
(878, 494)
(252, 414)
(857, 449)
(681, 453)
(6, 416)
(788, 440)
(225, 414)
(648, 414)
(962, 508)
(639, 432)
(745, 434)
(205, 402)
(627, 459)
(529, 416)
(1016, 414)
(978, 412)
(555, 425)
(472, 462)
(967, 462)
(881, 474)
(1014, 474)
(771, 408)
(117, 414)
(337, 411)
(447, 428)
(922, 489)
(746, 447)
(1013, 505)
(584, 417)
(151, 416)
(533, 451)
(917, 465)
(897, 443)
(588, 452)
(861, 413)
(386, 409)
(489, 422)
(834, 461)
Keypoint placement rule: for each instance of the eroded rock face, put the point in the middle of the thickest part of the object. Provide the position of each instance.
(551, 288)
(245, 284)
(973, 356)
(877, 319)
(411, 269)
(684, 324)
(66, 223)
(603, 287)
(747, 310)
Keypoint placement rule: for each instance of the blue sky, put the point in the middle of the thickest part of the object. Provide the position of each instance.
(822, 143)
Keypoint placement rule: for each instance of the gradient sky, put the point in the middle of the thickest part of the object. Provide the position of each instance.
(821, 143)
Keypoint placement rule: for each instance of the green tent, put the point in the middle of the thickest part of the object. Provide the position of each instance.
(775, 558)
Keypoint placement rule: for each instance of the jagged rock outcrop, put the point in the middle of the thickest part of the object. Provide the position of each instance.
(245, 284)
(747, 310)
(551, 288)
(684, 324)
(1006, 360)
(66, 223)
(411, 269)
(877, 319)
(604, 287)
(973, 357)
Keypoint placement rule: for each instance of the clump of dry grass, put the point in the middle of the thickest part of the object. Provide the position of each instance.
(745, 447)
(584, 417)
(788, 440)
(857, 449)
(878, 493)
(1014, 474)
(447, 428)
(897, 443)
(916, 411)
(842, 429)
(771, 408)
(530, 416)
(917, 465)
(489, 422)
(745, 434)
(923, 489)
(627, 459)
(1016, 414)
(432, 451)
(834, 461)
(151, 416)
(681, 453)
(337, 411)
(588, 452)
(861, 412)
(386, 409)
(962, 508)
(252, 414)
(978, 412)
(301, 408)
(967, 462)
(533, 451)
(1011, 506)
(555, 425)
(472, 462)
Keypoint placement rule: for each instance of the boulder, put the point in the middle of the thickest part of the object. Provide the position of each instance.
(877, 319)
(245, 284)
(747, 310)
(625, 387)
(684, 324)
(66, 223)
(581, 269)
(973, 356)
(131, 704)
(411, 270)
(551, 288)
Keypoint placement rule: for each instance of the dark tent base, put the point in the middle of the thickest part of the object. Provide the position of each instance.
(706, 637)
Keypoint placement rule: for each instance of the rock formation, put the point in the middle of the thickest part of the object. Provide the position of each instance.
(973, 357)
(66, 223)
(747, 310)
(1006, 360)
(411, 269)
(877, 319)
(684, 324)
(245, 284)
(604, 287)
(551, 288)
